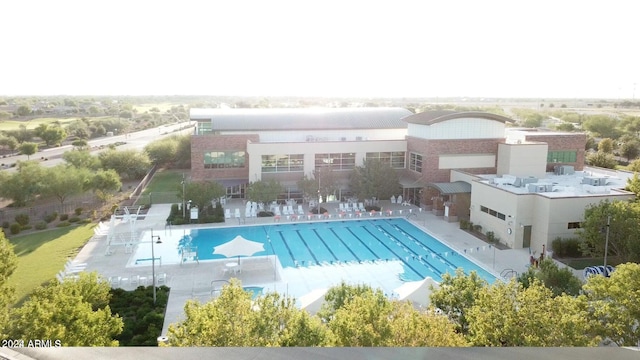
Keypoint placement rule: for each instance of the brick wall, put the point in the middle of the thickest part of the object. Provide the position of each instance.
(432, 149)
(565, 142)
(205, 143)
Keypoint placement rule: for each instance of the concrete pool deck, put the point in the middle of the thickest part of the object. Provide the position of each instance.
(193, 280)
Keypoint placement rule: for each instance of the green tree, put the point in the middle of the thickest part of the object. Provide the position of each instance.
(624, 239)
(82, 159)
(7, 267)
(630, 150)
(183, 152)
(162, 152)
(602, 159)
(201, 193)
(559, 281)
(129, 164)
(374, 179)
(22, 134)
(633, 184)
(23, 110)
(606, 146)
(233, 320)
(28, 148)
(338, 295)
(565, 126)
(264, 191)
(74, 312)
(63, 181)
(80, 144)
(615, 303)
(23, 185)
(104, 183)
(9, 142)
(602, 126)
(324, 180)
(456, 295)
(507, 314)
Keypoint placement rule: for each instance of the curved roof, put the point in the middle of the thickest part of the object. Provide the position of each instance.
(432, 117)
(456, 187)
(303, 118)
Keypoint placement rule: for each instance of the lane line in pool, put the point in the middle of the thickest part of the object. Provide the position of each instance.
(287, 246)
(307, 246)
(398, 256)
(315, 231)
(420, 243)
(345, 245)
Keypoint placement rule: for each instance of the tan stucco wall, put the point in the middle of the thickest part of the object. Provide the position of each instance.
(522, 159)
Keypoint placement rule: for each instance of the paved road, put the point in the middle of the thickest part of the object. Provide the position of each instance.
(135, 140)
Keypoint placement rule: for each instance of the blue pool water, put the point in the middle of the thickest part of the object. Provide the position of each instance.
(319, 243)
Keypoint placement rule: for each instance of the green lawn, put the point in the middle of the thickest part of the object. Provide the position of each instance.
(43, 254)
(165, 181)
(32, 124)
(581, 263)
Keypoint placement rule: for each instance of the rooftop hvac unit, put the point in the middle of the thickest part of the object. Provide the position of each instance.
(594, 181)
(563, 170)
(358, 138)
(537, 188)
(343, 138)
(529, 180)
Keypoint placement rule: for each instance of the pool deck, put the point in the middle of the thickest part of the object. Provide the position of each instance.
(193, 280)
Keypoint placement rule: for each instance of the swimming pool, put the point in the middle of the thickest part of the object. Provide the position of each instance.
(353, 241)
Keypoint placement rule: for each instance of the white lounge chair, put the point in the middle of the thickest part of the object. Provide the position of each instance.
(300, 210)
(290, 209)
(161, 279)
(237, 213)
(361, 207)
(227, 213)
(277, 211)
(399, 200)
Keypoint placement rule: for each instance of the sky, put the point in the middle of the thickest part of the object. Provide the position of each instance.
(443, 48)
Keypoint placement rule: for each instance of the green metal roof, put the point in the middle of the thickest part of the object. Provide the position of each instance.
(456, 187)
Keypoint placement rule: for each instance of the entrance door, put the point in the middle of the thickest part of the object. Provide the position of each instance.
(526, 237)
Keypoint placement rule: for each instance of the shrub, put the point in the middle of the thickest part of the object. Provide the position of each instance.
(369, 208)
(15, 228)
(63, 224)
(265, 214)
(50, 217)
(22, 219)
(85, 221)
(477, 228)
(491, 236)
(27, 227)
(64, 217)
(78, 211)
(568, 247)
(74, 219)
(41, 225)
(315, 210)
(464, 224)
(5, 224)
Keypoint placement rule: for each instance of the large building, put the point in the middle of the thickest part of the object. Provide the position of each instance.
(456, 164)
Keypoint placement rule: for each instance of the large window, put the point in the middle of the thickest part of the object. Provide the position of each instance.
(337, 161)
(561, 156)
(415, 162)
(492, 212)
(395, 159)
(224, 159)
(283, 163)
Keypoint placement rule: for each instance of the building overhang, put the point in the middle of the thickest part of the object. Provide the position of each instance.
(449, 188)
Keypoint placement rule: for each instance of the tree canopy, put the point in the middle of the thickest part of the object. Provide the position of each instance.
(201, 193)
(264, 191)
(624, 239)
(7, 267)
(74, 312)
(374, 179)
(559, 281)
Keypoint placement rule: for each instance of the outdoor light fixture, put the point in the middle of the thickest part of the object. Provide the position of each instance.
(153, 263)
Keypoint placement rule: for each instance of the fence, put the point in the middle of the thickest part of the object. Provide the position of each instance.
(157, 198)
(37, 213)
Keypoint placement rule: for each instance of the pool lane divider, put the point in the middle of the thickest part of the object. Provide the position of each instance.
(398, 256)
(345, 245)
(335, 258)
(307, 246)
(423, 245)
(295, 262)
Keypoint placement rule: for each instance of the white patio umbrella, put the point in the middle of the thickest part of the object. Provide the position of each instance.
(239, 246)
(312, 301)
(416, 291)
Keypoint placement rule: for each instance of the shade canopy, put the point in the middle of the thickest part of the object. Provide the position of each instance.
(312, 301)
(416, 291)
(239, 246)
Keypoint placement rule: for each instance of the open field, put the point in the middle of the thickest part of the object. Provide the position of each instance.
(33, 123)
(43, 254)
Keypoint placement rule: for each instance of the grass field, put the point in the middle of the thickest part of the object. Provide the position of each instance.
(43, 254)
(164, 181)
(34, 123)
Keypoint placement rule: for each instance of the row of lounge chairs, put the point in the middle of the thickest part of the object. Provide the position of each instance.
(348, 207)
(137, 280)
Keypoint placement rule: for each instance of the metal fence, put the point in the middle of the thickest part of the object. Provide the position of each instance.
(157, 198)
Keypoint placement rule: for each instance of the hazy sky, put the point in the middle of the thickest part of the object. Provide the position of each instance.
(480, 48)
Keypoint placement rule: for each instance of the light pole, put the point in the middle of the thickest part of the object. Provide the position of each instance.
(606, 245)
(153, 264)
(183, 202)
